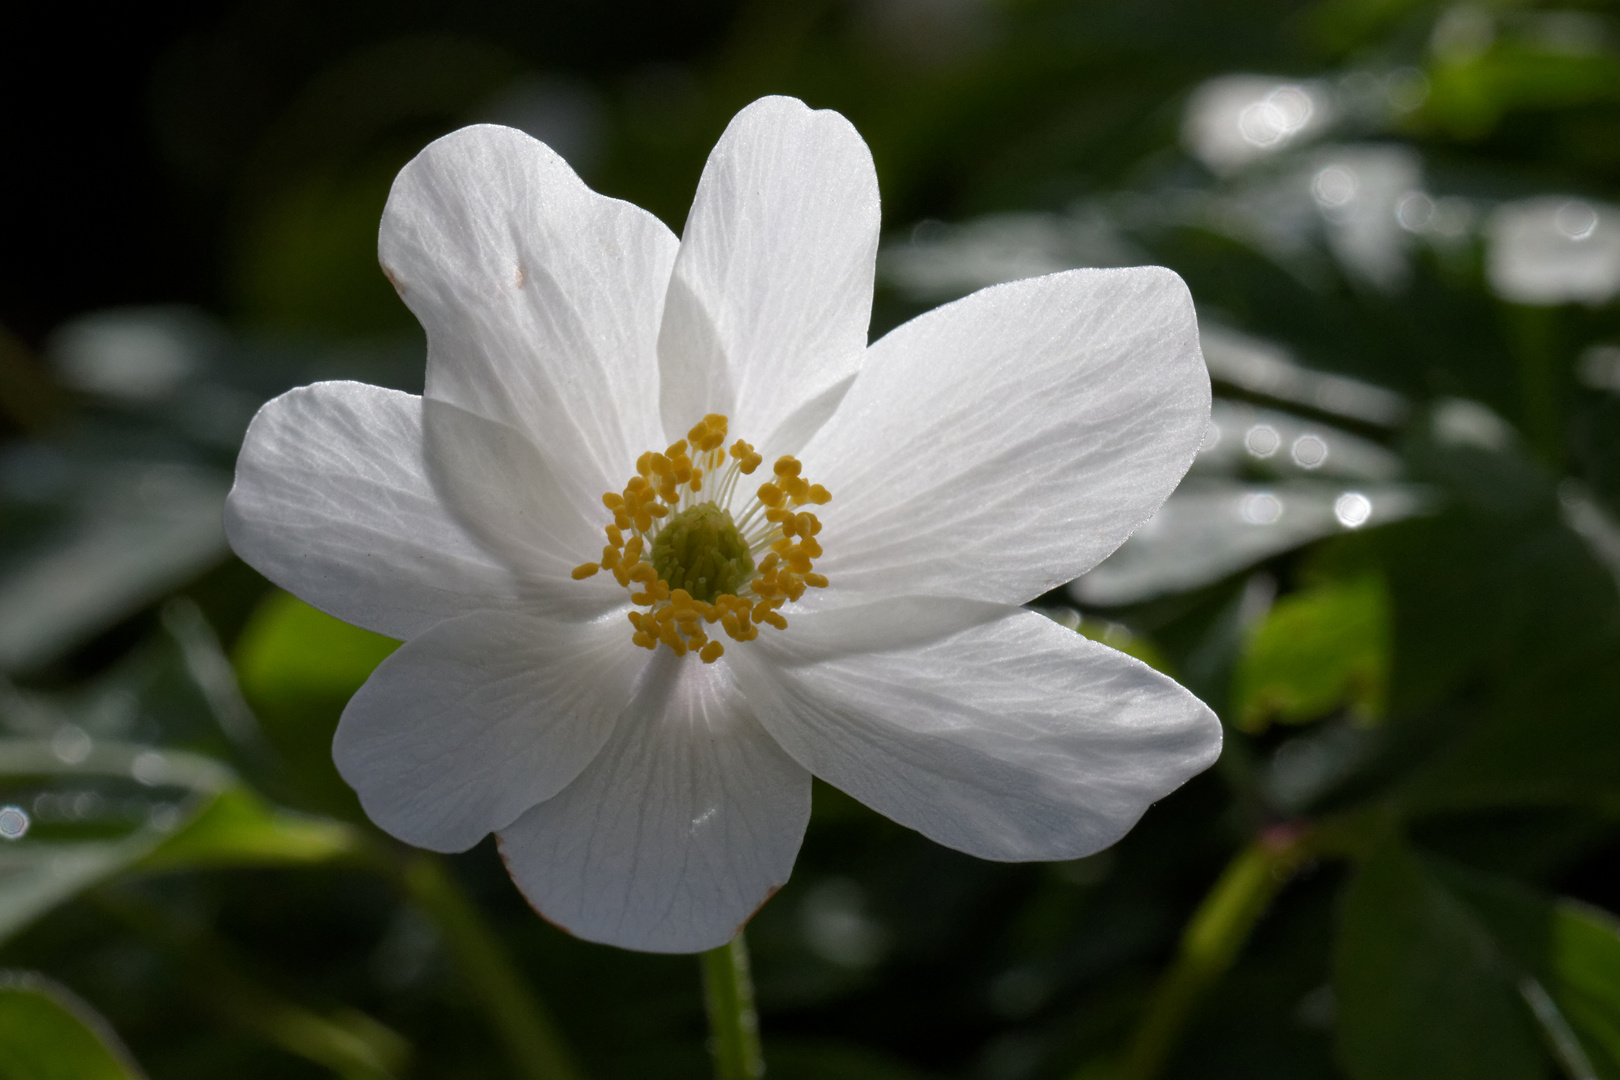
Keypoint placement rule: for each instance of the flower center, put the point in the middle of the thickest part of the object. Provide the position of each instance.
(701, 551)
(676, 544)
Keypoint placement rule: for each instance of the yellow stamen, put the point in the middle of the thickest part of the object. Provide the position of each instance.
(693, 553)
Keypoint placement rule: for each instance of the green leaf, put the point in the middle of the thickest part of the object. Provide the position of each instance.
(46, 1033)
(36, 877)
(240, 829)
(1586, 981)
(215, 822)
(289, 650)
(1424, 990)
(1546, 740)
(1316, 652)
(1564, 957)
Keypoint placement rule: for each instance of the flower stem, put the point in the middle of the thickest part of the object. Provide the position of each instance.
(1209, 945)
(523, 1023)
(728, 997)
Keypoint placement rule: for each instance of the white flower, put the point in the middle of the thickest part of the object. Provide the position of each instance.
(976, 457)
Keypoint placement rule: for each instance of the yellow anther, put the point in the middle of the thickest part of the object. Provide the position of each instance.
(644, 464)
(615, 536)
(771, 495)
(632, 550)
(676, 449)
(621, 575)
(610, 557)
(811, 546)
(816, 581)
(819, 495)
(807, 524)
(774, 619)
(643, 573)
(656, 511)
(644, 639)
(585, 570)
(696, 483)
(612, 501)
(711, 652)
(787, 465)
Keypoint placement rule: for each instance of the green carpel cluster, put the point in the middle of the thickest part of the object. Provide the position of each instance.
(701, 551)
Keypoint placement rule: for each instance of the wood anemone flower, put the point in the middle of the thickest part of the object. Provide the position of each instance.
(664, 535)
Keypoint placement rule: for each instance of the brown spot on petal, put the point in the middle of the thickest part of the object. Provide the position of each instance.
(521, 279)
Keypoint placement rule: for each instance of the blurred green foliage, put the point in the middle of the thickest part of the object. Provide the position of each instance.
(1404, 862)
(1316, 651)
(47, 1034)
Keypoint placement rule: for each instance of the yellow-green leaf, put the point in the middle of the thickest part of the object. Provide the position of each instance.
(1316, 652)
(46, 1033)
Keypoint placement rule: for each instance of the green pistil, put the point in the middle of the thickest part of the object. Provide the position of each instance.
(701, 551)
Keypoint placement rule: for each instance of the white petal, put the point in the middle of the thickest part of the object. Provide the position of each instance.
(686, 823)
(1004, 444)
(541, 299)
(823, 633)
(513, 500)
(1013, 741)
(332, 502)
(464, 728)
(771, 297)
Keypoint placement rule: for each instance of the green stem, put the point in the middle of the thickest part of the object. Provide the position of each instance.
(728, 997)
(531, 1035)
(1209, 945)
